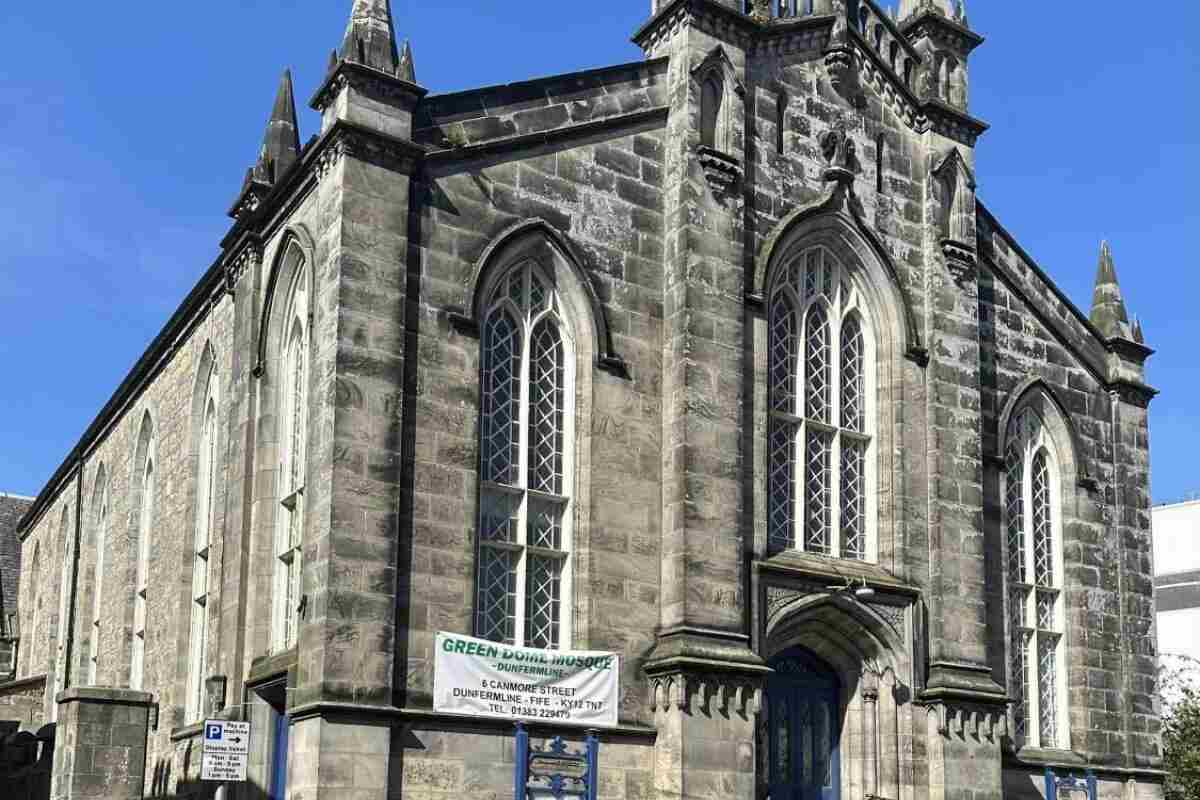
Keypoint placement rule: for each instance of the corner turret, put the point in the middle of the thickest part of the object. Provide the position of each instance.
(941, 33)
(1108, 306)
(1126, 343)
(280, 150)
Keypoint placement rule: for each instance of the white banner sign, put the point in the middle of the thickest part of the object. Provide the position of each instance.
(226, 750)
(486, 679)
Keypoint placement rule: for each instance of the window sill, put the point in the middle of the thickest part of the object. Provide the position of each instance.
(1050, 757)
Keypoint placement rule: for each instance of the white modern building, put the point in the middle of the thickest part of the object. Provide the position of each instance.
(1177, 577)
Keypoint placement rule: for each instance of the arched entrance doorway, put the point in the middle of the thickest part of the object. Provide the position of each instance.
(802, 729)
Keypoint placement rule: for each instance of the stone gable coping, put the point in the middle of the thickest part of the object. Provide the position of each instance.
(656, 117)
(1135, 392)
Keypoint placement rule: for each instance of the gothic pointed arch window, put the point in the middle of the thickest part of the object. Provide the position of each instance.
(206, 490)
(1033, 533)
(821, 448)
(66, 576)
(29, 643)
(526, 462)
(145, 522)
(293, 437)
(100, 523)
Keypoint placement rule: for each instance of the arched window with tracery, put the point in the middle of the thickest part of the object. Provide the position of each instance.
(293, 435)
(100, 521)
(1037, 661)
(206, 484)
(821, 412)
(526, 463)
(137, 660)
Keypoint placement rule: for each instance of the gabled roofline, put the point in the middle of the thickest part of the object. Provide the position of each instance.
(1042, 274)
(160, 350)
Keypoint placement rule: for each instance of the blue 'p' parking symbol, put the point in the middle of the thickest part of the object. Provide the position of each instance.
(214, 732)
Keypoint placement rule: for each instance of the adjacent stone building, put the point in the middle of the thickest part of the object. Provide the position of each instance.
(12, 508)
(714, 360)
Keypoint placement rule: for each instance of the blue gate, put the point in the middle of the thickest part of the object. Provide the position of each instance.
(556, 772)
(1072, 783)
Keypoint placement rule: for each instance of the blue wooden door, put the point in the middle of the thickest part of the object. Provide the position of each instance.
(803, 727)
(279, 758)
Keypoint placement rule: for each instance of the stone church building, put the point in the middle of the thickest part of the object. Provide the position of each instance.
(714, 360)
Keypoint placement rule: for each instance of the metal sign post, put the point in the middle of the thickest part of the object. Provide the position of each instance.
(226, 750)
(557, 773)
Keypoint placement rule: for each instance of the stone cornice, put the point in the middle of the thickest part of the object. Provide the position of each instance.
(942, 29)
(1133, 392)
(368, 80)
(708, 14)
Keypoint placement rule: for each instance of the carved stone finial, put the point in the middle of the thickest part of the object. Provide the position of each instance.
(760, 10)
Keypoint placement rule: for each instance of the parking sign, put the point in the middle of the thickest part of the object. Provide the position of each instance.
(226, 751)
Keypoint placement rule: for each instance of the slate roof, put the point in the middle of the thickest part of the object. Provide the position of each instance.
(11, 510)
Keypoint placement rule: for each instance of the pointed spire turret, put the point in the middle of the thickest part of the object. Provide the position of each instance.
(281, 142)
(1108, 306)
(370, 39)
(408, 70)
(1139, 335)
(280, 150)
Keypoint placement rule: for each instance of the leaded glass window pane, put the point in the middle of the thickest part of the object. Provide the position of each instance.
(816, 372)
(818, 491)
(782, 479)
(542, 595)
(1020, 671)
(524, 536)
(545, 524)
(1015, 509)
(1043, 537)
(852, 377)
(784, 353)
(854, 496)
(546, 410)
(501, 413)
(496, 616)
(1048, 688)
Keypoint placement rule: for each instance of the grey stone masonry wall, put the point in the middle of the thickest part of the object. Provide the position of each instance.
(101, 744)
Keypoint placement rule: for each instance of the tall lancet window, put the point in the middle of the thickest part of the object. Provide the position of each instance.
(821, 412)
(1037, 669)
(526, 431)
(206, 484)
(137, 660)
(100, 535)
(293, 432)
(29, 645)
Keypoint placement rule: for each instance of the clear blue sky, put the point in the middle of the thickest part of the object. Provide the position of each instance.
(125, 129)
